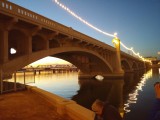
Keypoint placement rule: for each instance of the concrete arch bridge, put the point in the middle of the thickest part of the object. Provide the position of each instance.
(34, 37)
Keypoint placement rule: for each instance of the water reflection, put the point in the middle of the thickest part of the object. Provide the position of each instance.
(129, 94)
(140, 99)
(122, 93)
(132, 96)
(90, 90)
(63, 84)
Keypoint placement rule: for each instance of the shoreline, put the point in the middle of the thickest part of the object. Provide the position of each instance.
(28, 104)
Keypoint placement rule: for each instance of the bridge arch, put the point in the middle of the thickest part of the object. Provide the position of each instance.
(86, 60)
(141, 65)
(134, 66)
(125, 65)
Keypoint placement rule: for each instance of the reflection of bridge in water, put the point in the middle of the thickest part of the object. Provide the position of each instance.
(120, 92)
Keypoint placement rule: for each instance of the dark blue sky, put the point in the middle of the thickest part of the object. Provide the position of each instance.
(137, 22)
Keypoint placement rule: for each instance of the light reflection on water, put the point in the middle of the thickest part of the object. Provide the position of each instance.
(141, 106)
(138, 92)
(132, 97)
(62, 84)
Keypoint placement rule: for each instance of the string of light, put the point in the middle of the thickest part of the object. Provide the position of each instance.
(82, 20)
(136, 54)
(97, 29)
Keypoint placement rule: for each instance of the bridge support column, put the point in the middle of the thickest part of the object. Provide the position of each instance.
(118, 66)
(3, 46)
(1, 81)
(47, 44)
(24, 74)
(15, 80)
(144, 65)
(82, 75)
(28, 45)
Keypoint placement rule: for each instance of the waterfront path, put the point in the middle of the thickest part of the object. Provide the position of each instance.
(25, 105)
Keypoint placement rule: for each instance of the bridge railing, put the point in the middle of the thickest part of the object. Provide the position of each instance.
(130, 56)
(25, 14)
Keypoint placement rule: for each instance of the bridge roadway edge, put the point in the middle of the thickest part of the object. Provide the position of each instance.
(64, 106)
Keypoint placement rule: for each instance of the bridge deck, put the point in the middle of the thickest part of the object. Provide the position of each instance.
(26, 105)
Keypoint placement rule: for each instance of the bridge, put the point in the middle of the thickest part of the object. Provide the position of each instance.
(155, 63)
(34, 36)
(50, 68)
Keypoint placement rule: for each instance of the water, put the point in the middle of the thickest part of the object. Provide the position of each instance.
(142, 96)
(138, 92)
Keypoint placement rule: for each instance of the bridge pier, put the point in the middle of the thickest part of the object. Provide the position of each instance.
(1, 81)
(24, 75)
(155, 64)
(15, 81)
(118, 66)
(3, 46)
(28, 45)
